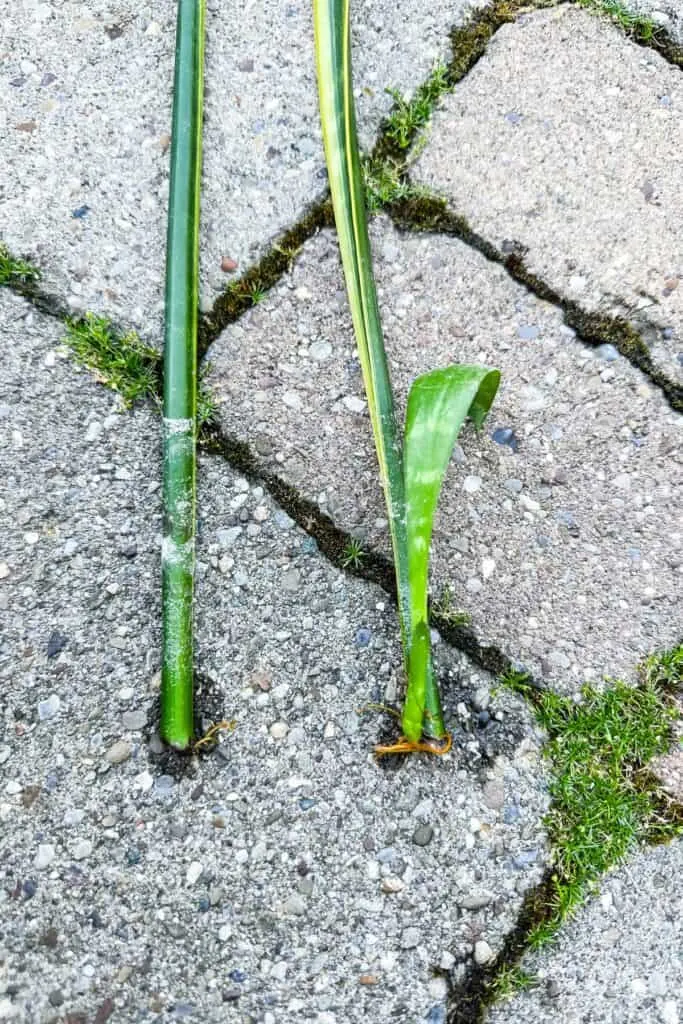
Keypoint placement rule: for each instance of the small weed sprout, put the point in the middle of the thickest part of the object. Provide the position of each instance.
(256, 293)
(121, 361)
(207, 406)
(409, 116)
(446, 609)
(353, 554)
(510, 980)
(289, 252)
(15, 270)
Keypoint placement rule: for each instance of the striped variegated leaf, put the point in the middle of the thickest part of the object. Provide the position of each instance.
(337, 115)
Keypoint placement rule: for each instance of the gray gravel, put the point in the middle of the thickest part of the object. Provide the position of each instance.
(559, 529)
(85, 112)
(573, 153)
(288, 876)
(620, 961)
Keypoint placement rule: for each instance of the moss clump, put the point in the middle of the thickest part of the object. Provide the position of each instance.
(604, 801)
(120, 360)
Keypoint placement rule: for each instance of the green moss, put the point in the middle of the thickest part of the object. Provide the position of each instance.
(603, 800)
(409, 116)
(386, 185)
(511, 980)
(639, 26)
(120, 360)
(353, 554)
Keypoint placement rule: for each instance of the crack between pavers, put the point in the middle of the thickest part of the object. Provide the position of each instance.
(43, 301)
(468, 1000)
(333, 541)
(431, 215)
(468, 44)
(241, 295)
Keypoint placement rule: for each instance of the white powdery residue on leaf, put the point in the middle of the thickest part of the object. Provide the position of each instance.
(178, 426)
(173, 553)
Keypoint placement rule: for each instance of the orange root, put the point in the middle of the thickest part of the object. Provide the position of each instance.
(212, 733)
(404, 746)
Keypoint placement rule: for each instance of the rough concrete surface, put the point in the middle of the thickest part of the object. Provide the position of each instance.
(619, 961)
(285, 875)
(85, 117)
(574, 153)
(288, 876)
(565, 551)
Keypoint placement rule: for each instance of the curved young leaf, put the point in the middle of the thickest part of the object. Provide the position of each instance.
(438, 404)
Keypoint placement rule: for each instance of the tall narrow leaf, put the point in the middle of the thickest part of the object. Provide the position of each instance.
(180, 377)
(333, 55)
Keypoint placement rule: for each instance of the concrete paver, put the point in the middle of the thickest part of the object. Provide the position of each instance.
(85, 115)
(574, 153)
(563, 541)
(289, 874)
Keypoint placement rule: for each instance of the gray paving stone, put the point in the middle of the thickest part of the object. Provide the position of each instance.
(85, 107)
(577, 571)
(619, 961)
(574, 152)
(269, 878)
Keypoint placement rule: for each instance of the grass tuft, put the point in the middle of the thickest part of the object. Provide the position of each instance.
(511, 980)
(408, 117)
(447, 610)
(121, 361)
(603, 800)
(638, 26)
(13, 270)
